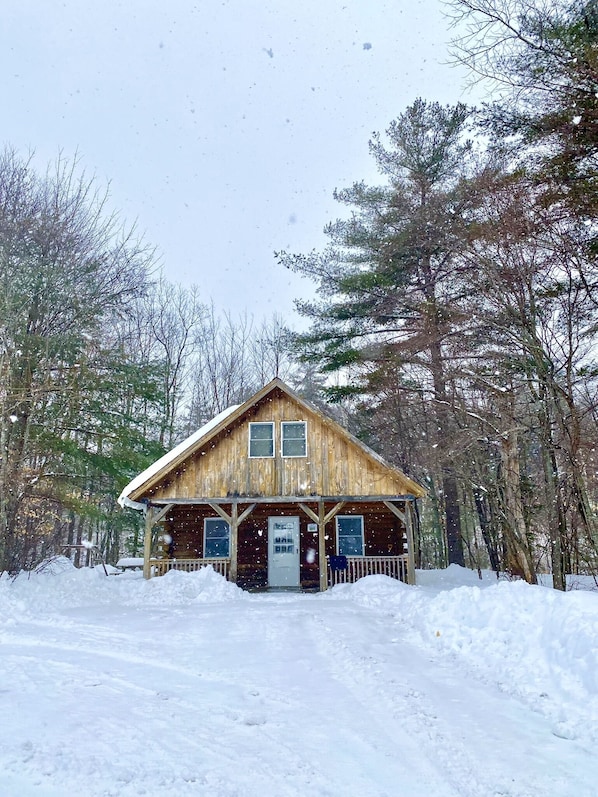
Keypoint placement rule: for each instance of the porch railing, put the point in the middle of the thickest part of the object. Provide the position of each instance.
(360, 566)
(158, 567)
(357, 567)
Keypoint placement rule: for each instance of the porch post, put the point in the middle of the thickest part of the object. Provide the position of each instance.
(410, 543)
(234, 542)
(147, 541)
(322, 546)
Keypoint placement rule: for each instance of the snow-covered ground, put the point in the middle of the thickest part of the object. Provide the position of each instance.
(185, 685)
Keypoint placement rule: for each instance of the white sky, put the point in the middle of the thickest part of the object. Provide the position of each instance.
(222, 126)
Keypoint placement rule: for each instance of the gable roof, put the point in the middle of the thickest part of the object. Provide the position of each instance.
(174, 456)
(170, 461)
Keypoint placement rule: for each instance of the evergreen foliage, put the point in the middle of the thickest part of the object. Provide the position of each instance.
(391, 281)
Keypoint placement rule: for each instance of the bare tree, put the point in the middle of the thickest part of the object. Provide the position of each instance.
(175, 318)
(539, 321)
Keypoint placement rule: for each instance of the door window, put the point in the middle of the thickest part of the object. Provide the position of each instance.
(284, 543)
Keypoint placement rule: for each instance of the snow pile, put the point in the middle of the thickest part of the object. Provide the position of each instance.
(534, 643)
(62, 586)
(538, 644)
(176, 587)
(455, 576)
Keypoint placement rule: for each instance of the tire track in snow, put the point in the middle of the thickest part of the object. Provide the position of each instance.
(404, 717)
(413, 694)
(242, 714)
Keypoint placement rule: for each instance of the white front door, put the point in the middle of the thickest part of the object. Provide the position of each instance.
(283, 552)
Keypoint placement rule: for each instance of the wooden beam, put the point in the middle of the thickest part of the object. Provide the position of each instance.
(163, 512)
(234, 544)
(246, 512)
(322, 518)
(334, 511)
(365, 499)
(281, 499)
(309, 512)
(278, 473)
(396, 511)
(220, 511)
(147, 541)
(410, 544)
(316, 519)
(233, 520)
(322, 562)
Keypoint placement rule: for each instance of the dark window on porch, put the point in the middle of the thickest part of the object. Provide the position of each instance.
(261, 439)
(349, 535)
(216, 538)
(294, 439)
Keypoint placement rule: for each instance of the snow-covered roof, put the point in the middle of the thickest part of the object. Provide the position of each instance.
(171, 456)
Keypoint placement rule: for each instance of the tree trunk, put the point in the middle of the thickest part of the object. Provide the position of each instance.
(557, 524)
(450, 488)
(519, 559)
(483, 511)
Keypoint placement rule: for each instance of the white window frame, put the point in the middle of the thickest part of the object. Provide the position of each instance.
(283, 424)
(350, 517)
(262, 456)
(206, 521)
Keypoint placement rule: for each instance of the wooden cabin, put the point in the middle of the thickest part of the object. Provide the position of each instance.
(275, 494)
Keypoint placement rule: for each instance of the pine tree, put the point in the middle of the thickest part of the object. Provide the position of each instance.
(389, 280)
(541, 60)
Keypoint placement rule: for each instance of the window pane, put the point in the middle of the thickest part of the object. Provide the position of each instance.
(216, 528)
(261, 448)
(293, 448)
(293, 439)
(349, 546)
(350, 525)
(261, 440)
(216, 548)
(217, 535)
(350, 535)
(294, 431)
(261, 431)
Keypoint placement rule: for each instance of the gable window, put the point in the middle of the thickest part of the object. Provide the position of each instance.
(349, 535)
(216, 538)
(261, 439)
(294, 438)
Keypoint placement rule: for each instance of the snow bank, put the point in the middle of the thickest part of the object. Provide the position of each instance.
(533, 642)
(62, 586)
(184, 686)
(204, 586)
(455, 576)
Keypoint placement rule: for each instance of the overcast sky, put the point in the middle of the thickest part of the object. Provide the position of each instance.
(222, 126)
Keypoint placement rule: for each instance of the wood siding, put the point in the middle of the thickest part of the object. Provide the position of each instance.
(334, 464)
(383, 532)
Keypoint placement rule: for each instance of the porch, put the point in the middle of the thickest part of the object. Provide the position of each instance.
(357, 567)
